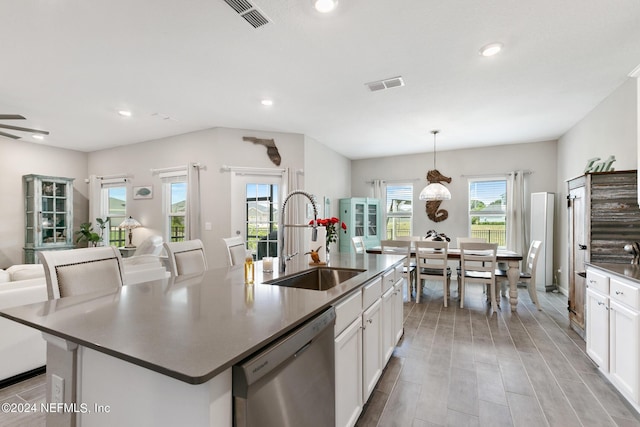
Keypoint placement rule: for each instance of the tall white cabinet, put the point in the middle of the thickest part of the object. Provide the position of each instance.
(542, 208)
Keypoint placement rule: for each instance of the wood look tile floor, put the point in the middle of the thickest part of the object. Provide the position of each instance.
(466, 367)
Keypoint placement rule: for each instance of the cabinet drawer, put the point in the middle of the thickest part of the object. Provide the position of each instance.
(347, 310)
(388, 279)
(371, 292)
(399, 272)
(598, 281)
(624, 293)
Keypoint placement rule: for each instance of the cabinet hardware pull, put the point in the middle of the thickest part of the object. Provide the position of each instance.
(619, 293)
(600, 303)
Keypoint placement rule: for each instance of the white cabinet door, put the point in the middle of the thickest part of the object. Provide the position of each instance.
(388, 324)
(597, 326)
(624, 342)
(371, 348)
(348, 353)
(398, 312)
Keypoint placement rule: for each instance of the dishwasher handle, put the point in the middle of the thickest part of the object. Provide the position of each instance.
(253, 369)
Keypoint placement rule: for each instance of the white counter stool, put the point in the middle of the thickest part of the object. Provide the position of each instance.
(80, 271)
(236, 250)
(186, 257)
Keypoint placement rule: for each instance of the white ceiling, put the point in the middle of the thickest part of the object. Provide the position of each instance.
(69, 65)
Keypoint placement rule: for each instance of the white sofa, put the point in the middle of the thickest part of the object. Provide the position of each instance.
(23, 349)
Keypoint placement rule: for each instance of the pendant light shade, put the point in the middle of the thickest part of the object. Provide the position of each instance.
(435, 190)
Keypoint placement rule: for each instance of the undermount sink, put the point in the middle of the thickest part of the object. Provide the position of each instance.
(317, 279)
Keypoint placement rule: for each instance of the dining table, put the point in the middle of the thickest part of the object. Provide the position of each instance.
(511, 258)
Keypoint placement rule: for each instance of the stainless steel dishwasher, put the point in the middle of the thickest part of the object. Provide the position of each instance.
(291, 382)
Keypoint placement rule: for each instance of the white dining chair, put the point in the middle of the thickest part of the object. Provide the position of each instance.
(80, 271)
(527, 274)
(357, 242)
(236, 250)
(186, 257)
(402, 247)
(478, 265)
(431, 263)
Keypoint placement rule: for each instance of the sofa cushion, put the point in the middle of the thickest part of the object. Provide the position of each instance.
(25, 271)
(5, 276)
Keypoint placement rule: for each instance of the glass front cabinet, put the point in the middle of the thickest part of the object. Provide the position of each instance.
(362, 218)
(48, 215)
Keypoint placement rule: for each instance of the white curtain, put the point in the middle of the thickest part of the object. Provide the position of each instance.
(379, 189)
(194, 225)
(98, 203)
(517, 230)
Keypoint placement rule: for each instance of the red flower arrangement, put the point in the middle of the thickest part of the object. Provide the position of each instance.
(331, 225)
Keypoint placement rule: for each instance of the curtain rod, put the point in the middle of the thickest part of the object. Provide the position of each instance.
(175, 168)
(395, 180)
(252, 170)
(526, 172)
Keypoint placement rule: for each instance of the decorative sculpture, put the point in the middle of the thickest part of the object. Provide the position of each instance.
(272, 150)
(315, 256)
(432, 207)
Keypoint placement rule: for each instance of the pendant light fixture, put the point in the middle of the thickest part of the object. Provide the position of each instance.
(434, 190)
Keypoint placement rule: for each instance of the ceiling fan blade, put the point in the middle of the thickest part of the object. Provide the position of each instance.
(43, 132)
(11, 117)
(8, 135)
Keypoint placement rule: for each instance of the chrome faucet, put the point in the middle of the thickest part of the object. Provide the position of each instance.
(281, 225)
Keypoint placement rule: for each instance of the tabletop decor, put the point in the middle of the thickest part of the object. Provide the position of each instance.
(332, 229)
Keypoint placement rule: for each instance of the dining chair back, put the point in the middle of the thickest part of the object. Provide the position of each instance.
(528, 273)
(236, 250)
(431, 263)
(478, 265)
(402, 247)
(80, 271)
(460, 240)
(358, 244)
(186, 257)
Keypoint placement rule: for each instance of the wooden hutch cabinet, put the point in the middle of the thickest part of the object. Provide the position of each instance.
(603, 218)
(362, 218)
(48, 205)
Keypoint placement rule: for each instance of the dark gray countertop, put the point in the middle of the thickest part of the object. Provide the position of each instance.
(194, 329)
(626, 271)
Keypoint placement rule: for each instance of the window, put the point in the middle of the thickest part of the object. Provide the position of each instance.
(175, 199)
(261, 226)
(399, 209)
(487, 210)
(114, 206)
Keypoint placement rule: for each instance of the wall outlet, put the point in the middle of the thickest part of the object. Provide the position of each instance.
(57, 389)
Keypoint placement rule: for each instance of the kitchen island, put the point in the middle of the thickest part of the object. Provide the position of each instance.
(160, 353)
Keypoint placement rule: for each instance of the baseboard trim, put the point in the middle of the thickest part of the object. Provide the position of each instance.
(21, 377)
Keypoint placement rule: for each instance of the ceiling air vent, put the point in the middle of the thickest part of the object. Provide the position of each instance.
(249, 12)
(385, 84)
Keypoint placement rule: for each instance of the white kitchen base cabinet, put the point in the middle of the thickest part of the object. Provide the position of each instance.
(368, 327)
(349, 374)
(623, 340)
(613, 330)
(372, 348)
(597, 328)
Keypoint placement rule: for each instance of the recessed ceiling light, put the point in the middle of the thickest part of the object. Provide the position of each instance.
(124, 113)
(491, 49)
(267, 102)
(325, 6)
(36, 136)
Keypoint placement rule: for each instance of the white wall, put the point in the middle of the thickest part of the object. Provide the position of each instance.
(212, 148)
(609, 129)
(19, 158)
(538, 157)
(327, 174)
